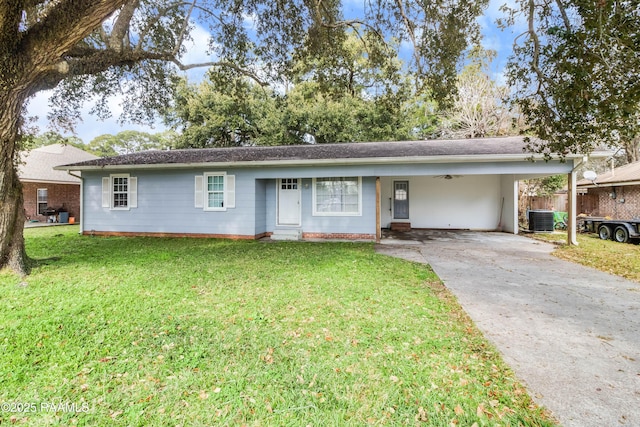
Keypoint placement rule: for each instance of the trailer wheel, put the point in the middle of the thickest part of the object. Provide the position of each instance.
(604, 231)
(621, 234)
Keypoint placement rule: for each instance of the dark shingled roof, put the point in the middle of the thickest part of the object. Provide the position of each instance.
(291, 153)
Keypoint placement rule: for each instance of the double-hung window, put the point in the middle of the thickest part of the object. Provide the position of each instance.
(215, 191)
(337, 196)
(120, 191)
(42, 200)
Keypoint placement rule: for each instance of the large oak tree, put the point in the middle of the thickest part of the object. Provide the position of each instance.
(88, 50)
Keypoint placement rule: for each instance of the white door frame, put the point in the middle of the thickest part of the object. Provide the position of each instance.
(293, 197)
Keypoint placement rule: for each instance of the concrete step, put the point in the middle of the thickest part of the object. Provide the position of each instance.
(286, 234)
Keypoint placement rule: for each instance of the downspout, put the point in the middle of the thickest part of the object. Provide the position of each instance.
(81, 199)
(378, 211)
(572, 204)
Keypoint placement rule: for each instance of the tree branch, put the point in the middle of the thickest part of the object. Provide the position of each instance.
(563, 13)
(410, 27)
(221, 64)
(95, 61)
(67, 23)
(121, 26)
(10, 16)
(183, 30)
(535, 56)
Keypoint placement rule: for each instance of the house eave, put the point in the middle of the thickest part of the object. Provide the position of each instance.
(48, 181)
(483, 158)
(610, 184)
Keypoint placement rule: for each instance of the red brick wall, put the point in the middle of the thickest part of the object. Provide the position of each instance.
(58, 195)
(346, 236)
(615, 208)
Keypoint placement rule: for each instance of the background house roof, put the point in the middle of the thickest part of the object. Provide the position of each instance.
(494, 147)
(38, 164)
(624, 175)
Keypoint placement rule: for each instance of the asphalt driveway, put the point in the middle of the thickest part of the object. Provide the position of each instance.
(570, 333)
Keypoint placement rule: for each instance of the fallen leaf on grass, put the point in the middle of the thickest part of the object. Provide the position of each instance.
(422, 415)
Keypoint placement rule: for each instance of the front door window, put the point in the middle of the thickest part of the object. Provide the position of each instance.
(401, 200)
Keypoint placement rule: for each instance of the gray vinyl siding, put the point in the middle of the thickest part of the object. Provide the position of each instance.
(166, 205)
(361, 224)
(261, 206)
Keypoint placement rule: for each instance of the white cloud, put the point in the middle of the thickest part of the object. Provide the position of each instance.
(249, 20)
(198, 48)
(197, 53)
(500, 40)
(90, 127)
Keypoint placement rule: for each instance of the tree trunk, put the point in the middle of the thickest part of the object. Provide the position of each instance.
(12, 217)
(631, 149)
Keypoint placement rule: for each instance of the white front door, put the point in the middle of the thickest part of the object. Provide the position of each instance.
(289, 201)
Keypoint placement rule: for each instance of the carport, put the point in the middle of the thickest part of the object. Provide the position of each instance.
(477, 193)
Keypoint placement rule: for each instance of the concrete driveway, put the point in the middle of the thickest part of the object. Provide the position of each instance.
(570, 333)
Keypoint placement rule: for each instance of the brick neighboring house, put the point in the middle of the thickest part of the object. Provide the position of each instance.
(45, 188)
(615, 194)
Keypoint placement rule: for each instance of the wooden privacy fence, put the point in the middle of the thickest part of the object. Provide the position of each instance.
(555, 202)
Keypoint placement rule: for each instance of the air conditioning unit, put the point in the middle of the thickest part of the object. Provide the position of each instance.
(541, 221)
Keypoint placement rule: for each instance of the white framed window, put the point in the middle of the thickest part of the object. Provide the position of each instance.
(337, 196)
(42, 200)
(120, 192)
(215, 191)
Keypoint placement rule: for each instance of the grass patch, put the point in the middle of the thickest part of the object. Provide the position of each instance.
(621, 259)
(151, 331)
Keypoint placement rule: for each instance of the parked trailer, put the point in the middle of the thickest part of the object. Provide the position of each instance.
(620, 230)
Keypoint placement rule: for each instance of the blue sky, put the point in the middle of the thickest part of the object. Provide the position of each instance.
(91, 127)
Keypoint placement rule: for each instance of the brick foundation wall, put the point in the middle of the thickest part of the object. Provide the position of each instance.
(192, 235)
(345, 236)
(58, 195)
(613, 207)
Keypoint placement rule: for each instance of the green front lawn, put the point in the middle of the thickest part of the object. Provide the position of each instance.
(621, 259)
(150, 331)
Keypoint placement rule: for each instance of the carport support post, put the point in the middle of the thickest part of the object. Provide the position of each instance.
(571, 208)
(378, 212)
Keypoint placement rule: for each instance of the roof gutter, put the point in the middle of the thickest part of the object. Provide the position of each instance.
(610, 184)
(315, 162)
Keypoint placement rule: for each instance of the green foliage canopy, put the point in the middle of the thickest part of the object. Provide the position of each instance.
(358, 94)
(129, 141)
(575, 74)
